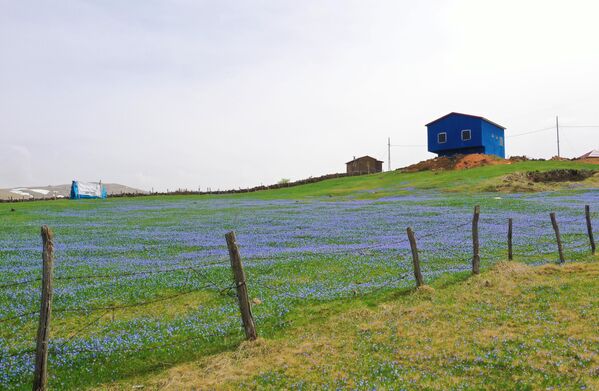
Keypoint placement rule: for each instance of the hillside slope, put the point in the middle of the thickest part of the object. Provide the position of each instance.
(513, 327)
(495, 178)
(479, 179)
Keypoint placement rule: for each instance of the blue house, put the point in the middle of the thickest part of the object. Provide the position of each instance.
(457, 133)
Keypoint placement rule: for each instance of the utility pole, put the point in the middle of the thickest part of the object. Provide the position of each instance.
(557, 128)
(389, 154)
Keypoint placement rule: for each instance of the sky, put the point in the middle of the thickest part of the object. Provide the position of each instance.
(226, 94)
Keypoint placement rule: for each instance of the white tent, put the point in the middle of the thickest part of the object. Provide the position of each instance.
(593, 153)
(87, 190)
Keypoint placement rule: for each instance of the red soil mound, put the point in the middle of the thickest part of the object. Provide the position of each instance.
(478, 160)
(592, 160)
(458, 162)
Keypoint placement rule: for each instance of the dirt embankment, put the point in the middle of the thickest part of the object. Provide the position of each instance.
(592, 160)
(535, 181)
(457, 162)
(564, 175)
(460, 162)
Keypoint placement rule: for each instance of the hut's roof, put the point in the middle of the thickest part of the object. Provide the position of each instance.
(363, 157)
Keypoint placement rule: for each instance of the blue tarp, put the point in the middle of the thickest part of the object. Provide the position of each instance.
(87, 190)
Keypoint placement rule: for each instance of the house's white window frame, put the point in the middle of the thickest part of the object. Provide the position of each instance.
(439, 137)
(469, 133)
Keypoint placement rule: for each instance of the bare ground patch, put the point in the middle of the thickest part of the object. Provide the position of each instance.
(536, 181)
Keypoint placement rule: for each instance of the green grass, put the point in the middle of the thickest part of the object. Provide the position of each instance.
(395, 182)
(513, 327)
(362, 187)
(463, 188)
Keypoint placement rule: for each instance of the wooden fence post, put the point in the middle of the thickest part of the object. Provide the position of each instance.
(510, 253)
(242, 291)
(40, 376)
(475, 242)
(587, 212)
(415, 258)
(560, 248)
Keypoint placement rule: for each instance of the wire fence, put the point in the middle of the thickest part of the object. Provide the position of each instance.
(196, 275)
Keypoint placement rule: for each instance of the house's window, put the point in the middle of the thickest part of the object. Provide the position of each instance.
(466, 134)
(501, 141)
(442, 138)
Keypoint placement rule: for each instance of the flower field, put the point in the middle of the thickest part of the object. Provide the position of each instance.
(145, 281)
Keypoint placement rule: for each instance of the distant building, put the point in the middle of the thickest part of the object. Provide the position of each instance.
(364, 165)
(457, 133)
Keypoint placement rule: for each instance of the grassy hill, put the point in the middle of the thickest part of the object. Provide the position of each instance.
(329, 270)
(479, 179)
(395, 182)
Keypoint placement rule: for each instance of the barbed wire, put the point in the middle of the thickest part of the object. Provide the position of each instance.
(85, 327)
(584, 246)
(124, 274)
(53, 350)
(377, 246)
(211, 283)
(18, 316)
(11, 284)
(19, 353)
(100, 276)
(444, 229)
(132, 305)
(106, 310)
(116, 307)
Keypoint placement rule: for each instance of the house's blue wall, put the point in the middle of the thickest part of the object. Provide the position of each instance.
(486, 137)
(453, 125)
(493, 139)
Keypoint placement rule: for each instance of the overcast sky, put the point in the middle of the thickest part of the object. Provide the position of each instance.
(226, 94)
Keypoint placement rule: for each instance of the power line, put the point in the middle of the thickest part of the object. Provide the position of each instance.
(580, 126)
(389, 145)
(551, 128)
(531, 132)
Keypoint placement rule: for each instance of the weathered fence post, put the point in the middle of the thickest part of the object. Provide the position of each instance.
(560, 248)
(40, 376)
(415, 258)
(242, 291)
(510, 253)
(587, 212)
(475, 242)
